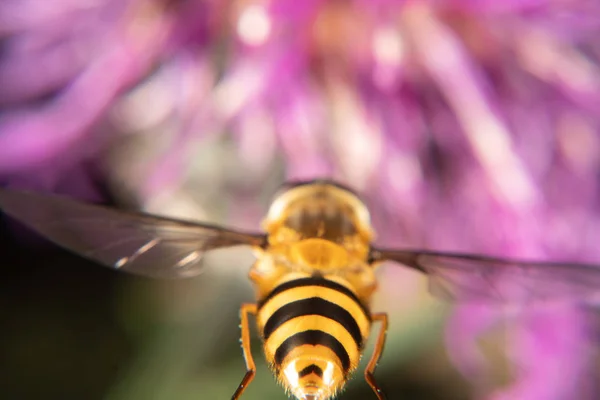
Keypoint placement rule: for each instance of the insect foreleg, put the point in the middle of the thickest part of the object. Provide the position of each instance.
(245, 310)
(383, 318)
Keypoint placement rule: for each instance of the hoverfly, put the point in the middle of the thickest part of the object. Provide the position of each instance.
(313, 276)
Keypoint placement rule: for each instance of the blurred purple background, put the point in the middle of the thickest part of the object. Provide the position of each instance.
(467, 126)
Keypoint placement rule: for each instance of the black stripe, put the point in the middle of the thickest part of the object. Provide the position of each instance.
(313, 306)
(311, 369)
(312, 337)
(314, 281)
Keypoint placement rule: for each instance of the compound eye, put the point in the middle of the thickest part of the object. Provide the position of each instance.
(285, 187)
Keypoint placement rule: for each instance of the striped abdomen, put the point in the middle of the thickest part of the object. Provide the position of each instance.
(313, 331)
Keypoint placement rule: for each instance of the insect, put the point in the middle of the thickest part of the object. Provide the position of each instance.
(313, 276)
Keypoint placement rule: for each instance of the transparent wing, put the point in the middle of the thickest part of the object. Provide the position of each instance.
(139, 243)
(467, 277)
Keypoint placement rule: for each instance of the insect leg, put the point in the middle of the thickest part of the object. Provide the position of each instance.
(245, 310)
(383, 318)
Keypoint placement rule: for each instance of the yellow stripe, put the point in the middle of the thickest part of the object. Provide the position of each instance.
(317, 352)
(312, 322)
(305, 292)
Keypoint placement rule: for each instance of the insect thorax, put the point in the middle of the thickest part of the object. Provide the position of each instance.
(320, 229)
(319, 225)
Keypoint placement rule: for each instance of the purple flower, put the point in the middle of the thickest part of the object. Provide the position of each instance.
(63, 67)
(470, 125)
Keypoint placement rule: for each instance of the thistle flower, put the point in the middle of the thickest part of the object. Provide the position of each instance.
(470, 126)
